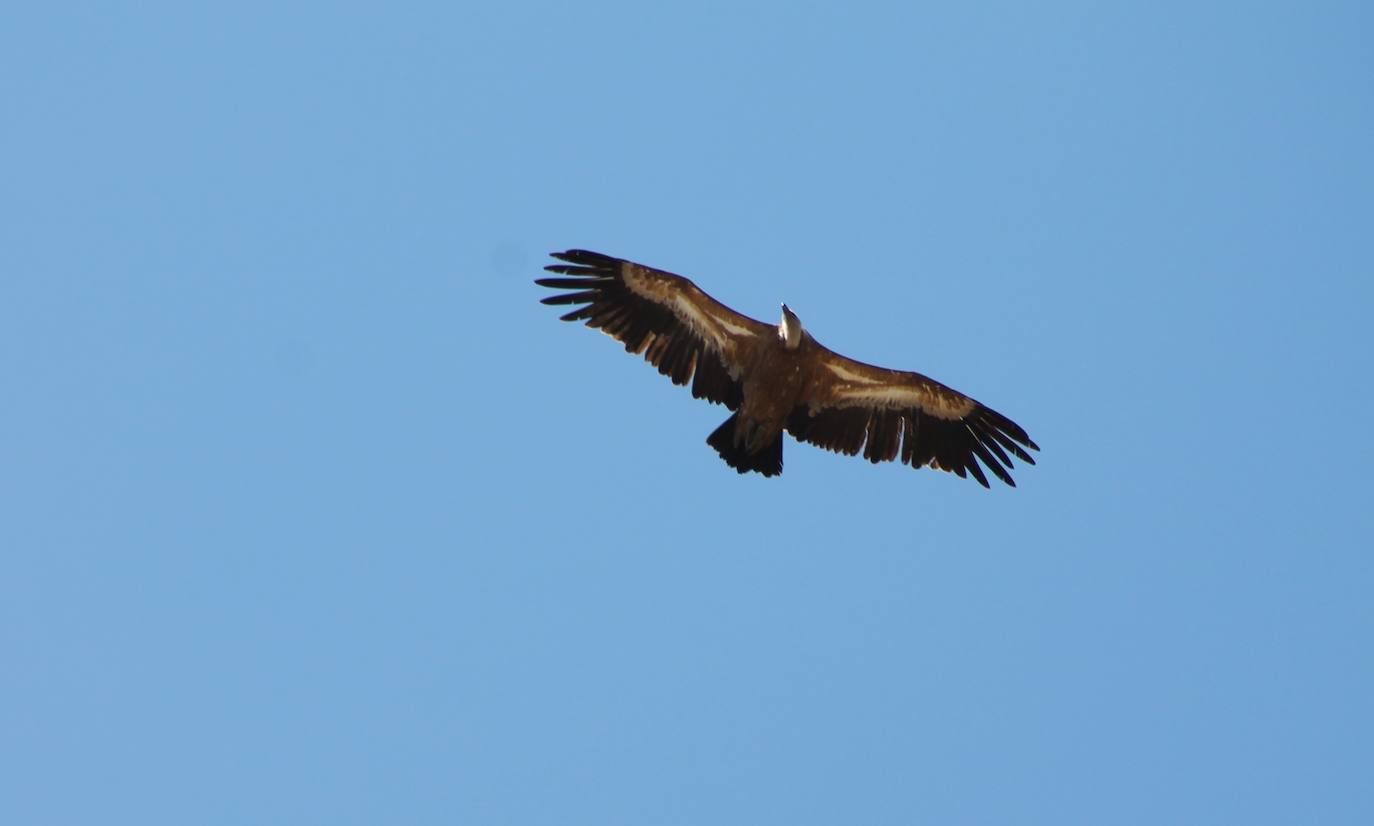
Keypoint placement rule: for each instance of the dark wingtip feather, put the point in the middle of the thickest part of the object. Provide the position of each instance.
(586, 272)
(1006, 432)
(571, 298)
(981, 451)
(571, 283)
(578, 314)
(586, 258)
(977, 472)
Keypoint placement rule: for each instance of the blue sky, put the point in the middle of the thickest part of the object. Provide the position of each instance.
(312, 514)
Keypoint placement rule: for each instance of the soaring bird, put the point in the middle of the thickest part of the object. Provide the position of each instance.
(779, 378)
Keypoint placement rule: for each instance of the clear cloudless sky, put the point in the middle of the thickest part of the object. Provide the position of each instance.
(311, 514)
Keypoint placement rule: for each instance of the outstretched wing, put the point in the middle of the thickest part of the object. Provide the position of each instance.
(854, 407)
(685, 333)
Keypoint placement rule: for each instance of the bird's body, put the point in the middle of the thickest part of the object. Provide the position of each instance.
(774, 380)
(780, 379)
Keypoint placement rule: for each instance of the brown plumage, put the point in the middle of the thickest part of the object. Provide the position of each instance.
(779, 378)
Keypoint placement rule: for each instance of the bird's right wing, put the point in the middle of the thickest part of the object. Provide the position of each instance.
(685, 333)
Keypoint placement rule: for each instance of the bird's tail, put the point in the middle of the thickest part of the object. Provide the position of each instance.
(767, 460)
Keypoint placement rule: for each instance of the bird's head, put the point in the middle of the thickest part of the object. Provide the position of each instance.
(790, 330)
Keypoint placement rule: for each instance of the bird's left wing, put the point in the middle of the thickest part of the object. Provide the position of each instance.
(685, 333)
(852, 406)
